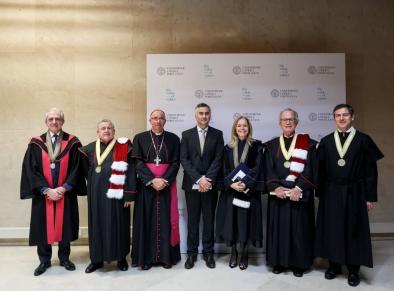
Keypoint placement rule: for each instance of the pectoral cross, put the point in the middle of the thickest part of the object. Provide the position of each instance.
(157, 161)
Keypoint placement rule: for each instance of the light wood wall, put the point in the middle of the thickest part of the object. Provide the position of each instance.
(89, 58)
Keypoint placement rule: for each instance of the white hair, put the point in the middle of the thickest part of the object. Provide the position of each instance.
(105, 120)
(291, 110)
(56, 110)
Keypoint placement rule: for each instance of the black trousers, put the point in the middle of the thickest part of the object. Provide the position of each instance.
(201, 203)
(45, 252)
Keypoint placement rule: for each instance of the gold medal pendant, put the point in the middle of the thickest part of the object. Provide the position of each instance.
(343, 149)
(98, 169)
(53, 153)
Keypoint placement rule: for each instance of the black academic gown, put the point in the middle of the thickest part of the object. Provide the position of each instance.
(236, 224)
(290, 224)
(342, 233)
(151, 224)
(33, 180)
(108, 219)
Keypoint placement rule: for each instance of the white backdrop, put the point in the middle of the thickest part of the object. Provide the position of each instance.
(258, 86)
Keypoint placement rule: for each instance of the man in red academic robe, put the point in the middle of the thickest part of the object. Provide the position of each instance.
(50, 177)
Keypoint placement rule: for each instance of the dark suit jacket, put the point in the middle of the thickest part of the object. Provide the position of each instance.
(195, 165)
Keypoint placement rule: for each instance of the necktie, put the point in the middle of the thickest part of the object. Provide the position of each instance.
(54, 141)
(202, 140)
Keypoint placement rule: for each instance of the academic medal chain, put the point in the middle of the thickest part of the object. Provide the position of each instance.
(342, 150)
(54, 153)
(101, 158)
(287, 154)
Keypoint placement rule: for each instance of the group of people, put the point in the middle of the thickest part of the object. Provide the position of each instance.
(293, 168)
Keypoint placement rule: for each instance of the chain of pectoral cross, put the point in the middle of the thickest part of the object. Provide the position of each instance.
(157, 160)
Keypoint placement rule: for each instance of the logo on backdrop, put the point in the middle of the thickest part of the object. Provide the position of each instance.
(275, 93)
(312, 70)
(320, 116)
(312, 116)
(199, 94)
(209, 93)
(170, 71)
(236, 115)
(161, 71)
(175, 117)
(321, 70)
(284, 93)
(247, 70)
(237, 70)
(253, 116)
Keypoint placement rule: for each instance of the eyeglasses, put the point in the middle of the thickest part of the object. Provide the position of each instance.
(157, 119)
(285, 120)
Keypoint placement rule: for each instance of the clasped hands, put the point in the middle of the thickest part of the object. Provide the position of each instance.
(56, 193)
(204, 184)
(295, 193)
(159, 184)
(238, 186)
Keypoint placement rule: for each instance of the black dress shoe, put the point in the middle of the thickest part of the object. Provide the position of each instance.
(41, 268)
(123, 265)
(277, 270)
(93, 267)
(332, 272)
(190, 261)
(233, 259)
(353, 279)
(167, 266)
(209, 261)
(146, 267)
(297, 272)
(68, 265)
(243, 263)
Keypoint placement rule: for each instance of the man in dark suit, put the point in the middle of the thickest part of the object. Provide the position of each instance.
(201, 158)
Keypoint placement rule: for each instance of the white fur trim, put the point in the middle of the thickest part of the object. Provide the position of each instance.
(291, 178)
(119, 166)
(115, 193)
(241, 203)
(117, 179)
(296, 167)
(300, 153)
(122, 140)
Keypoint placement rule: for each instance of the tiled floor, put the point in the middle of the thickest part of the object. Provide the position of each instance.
(18, 263)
